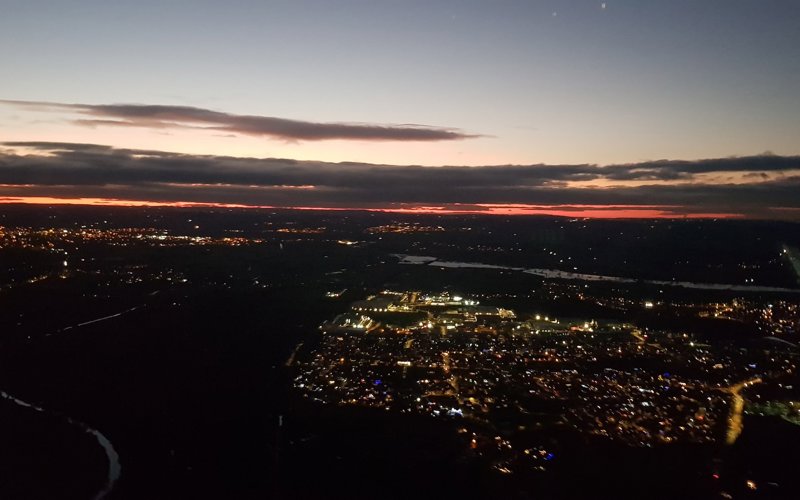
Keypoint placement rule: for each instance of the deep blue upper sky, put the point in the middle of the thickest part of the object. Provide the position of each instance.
(549, 81)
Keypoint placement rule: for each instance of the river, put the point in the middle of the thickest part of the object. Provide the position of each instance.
(114, 467)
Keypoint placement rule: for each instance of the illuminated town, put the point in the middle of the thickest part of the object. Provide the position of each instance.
(501, 374)
(47, 239)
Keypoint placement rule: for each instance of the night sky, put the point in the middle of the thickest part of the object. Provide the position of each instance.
(624, 108)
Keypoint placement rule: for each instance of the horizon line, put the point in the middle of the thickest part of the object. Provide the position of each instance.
(579, 211)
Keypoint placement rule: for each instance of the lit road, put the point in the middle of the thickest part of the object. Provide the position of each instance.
(110, 316)
(290, 361)
(446, 365)
(446, 362)
(735, 424)
(97, 320)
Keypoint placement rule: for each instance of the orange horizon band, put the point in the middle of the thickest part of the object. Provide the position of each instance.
(564, 210)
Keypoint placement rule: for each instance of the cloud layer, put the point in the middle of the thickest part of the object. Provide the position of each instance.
(767, 186)
(160, 117)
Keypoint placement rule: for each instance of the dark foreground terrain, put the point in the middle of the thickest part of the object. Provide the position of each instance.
(174, 346)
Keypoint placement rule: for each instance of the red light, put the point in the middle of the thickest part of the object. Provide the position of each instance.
(715, 475)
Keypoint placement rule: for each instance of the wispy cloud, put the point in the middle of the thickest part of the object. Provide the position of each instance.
(161, 117)
(68, 170)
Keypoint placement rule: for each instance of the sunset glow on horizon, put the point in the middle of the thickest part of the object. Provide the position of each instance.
(577, 211)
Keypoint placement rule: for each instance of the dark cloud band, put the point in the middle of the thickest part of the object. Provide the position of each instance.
(90, 170)
(156, 116)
